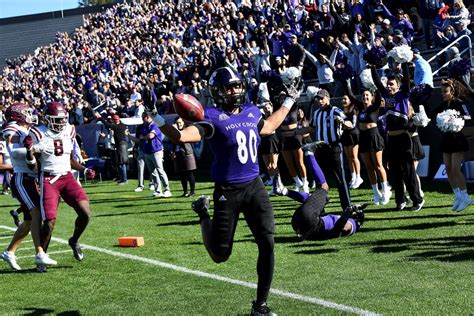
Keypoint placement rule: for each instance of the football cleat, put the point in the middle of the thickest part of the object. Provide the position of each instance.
(167, 193)
(76, 249)
(261, 310)
(10, 258)
(16, 218)
(43, 259)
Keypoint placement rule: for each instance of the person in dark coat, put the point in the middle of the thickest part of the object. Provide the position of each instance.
(184, 162)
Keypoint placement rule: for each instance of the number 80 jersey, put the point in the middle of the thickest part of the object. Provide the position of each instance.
(55, 148)
(234, 143)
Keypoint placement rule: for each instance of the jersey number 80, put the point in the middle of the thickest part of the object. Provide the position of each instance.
(244, 147)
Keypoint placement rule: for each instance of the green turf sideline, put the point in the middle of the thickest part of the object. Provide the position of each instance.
(282, 293)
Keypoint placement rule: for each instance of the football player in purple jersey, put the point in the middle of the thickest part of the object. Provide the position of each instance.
(233, 129)
(311, 223)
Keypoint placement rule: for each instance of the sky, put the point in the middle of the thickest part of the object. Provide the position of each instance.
(11, 8)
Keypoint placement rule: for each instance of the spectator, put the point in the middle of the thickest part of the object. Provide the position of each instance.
(184, 162)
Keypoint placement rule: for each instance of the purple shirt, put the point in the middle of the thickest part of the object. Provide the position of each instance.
(153, 145)
(234, 144)
(329, 223)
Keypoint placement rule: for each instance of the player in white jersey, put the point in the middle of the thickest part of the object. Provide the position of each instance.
(6, 168)
(52, 145)
(24, 185)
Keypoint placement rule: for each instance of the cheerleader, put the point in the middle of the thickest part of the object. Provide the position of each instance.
(453, 145)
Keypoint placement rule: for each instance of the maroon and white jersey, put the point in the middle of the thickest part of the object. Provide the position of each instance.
(55, 148)
(17, 150)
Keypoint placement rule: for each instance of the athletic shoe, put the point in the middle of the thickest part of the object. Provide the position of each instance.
(43, 259)
(201, 206)
(277, 186)
(351, 183)
(306, 187)
(457, 202)
(76, 250)
(297, 187)
(401, 206)
(122, 183)
(151, 187)
(16, 218)
(41, 269)
(417, 207)
(10, 258)
(463, 204)
(261, 310)
(268, 183)
(167, 194)
(377, 198)
(139, 189)
(385, 197)
(157, 194)
(312, 146)
(357, 183)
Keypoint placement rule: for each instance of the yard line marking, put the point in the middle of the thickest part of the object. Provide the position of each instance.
(30, 248)
(6, 237)
(294, 296)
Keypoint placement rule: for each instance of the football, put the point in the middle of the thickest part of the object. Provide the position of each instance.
(188, 107)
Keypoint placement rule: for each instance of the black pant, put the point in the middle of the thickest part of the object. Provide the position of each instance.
(252, 199)
(402, 168)
(330, 158)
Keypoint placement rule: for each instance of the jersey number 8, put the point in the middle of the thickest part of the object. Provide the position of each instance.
(58, 147)
(242, 151)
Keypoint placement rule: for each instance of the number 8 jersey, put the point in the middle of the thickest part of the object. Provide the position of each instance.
(55, 148)
(234, 143)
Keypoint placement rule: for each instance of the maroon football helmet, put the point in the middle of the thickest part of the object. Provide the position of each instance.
(20, 113)
(56, 116)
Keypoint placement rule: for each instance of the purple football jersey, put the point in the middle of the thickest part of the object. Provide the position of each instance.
(234, 144)
(329, 223)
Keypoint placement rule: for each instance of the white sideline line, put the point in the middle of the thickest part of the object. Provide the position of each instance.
(298, 297)
(6, 237)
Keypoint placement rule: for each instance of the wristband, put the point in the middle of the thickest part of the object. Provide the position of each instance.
(31, 162)
(288, 103)
(159, 120)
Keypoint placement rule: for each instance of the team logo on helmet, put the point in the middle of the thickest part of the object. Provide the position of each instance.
(227, 88)
(20, 113)
(56, 116)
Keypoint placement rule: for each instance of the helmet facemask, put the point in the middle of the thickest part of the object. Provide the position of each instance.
(230, 96)
(56, 123)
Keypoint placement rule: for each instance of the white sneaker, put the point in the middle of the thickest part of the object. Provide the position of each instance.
(10, 258)
(351, 183)
(386, 197)
(463, 204)
(167, 193)
(152, 187)
(377, 198)
(357, 183)
(297, 187)
(306, 187)
(157, 194)
(139, 189)
(457, 202)
(43, 259)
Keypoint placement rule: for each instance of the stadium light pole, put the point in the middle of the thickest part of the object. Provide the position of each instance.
(62, 11)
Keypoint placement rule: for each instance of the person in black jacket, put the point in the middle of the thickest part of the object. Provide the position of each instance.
(184, 162)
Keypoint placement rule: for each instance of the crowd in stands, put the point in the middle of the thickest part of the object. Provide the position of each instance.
(133, 57)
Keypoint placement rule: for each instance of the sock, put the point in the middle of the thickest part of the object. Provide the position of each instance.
(384, 186)
(305, 180)
(298, 181)
(457, 192)
(354, 176)
(375, 187)
(358, 176)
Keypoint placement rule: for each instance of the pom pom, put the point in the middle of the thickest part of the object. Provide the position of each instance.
(401, 54)
(366, 79)
(376, 56)
(420, 118)
(449, 121)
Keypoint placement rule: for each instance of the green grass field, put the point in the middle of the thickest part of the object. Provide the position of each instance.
(400, 263)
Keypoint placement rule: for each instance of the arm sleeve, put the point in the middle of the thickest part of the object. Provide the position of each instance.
(377, 82)
(406, 78)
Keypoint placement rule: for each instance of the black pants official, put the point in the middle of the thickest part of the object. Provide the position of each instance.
(330, 159)
(402, 168)
(252, 200)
